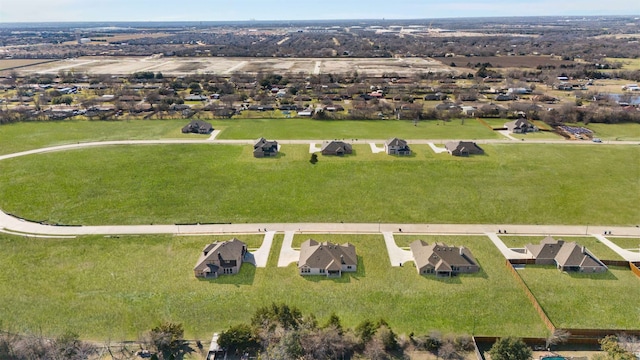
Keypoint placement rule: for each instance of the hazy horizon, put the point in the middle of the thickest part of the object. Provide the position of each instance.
(283, 10)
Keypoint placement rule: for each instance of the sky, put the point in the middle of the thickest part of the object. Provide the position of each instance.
(234, 10)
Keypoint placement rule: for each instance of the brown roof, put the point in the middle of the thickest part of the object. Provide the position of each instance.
(547, 249)
(463, 148)
(575, 255)
(396, 142)
(228, 251)
(331, 147)
(441, 256)
(326, 255)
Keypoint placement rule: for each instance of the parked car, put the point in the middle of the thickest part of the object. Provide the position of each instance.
(597, 140)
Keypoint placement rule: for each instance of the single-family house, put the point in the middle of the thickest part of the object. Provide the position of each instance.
(566, 256)
(442, 260)
(463, 148)
(520, 126)
(336, 148)
(220, 258)
(197, 127)
(263, 148)
(397, 146)
(326, 258)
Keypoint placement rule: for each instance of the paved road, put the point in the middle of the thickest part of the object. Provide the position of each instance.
(10, 224)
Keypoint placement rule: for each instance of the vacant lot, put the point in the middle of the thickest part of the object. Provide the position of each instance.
(505, 61)
(592, 244)
(116, 288)
(579, 300)
(8, 64)
(33, 135)
(176, 66)
(616, 132)
(339, 129)
(512, 183)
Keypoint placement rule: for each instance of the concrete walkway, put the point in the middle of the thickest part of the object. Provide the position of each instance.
(397, 256)
(261, 256)
(436, 149)
(313, 147)
(507, 134)
(287, 254)
(375, 149)
(506, 252)
(214, 135)
(625, 254)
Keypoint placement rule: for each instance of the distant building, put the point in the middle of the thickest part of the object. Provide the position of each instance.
(520, 126)
(263, 148)
(336, 148)
(463, 148)
(326, 258)
(397, 146)
(442, 260)
(197, 127)
(220, 258)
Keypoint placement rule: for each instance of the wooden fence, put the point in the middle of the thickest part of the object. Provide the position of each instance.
(635, 267)
(531, 297)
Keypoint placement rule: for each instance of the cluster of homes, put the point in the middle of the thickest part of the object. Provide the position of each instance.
(439, 259)
(394, 146)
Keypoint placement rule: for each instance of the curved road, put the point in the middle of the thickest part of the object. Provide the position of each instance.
(13, 225)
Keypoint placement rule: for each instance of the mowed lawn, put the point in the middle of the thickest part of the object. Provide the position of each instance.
(627, 132)
(355, 129)
(160, 184)
(117, 288)
(586, 301)
(600, 250)
(632, 244)
(33, 135)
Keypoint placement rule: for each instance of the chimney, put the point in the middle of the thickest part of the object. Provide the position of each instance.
(461, 250)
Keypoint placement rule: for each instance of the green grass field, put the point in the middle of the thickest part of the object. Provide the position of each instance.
(33, 135)
(117, 288)
(616, 132)
(586, 301)
(550, 184)
(602, 251)
(343, 129)
(626, 243)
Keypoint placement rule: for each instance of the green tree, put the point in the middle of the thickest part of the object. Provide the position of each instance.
(365, 331)
(239, 339)
(510, 348)
(334, 320)
(168, 340)
(614, 351)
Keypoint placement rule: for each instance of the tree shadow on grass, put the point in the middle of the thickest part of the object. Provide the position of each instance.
(245, 277)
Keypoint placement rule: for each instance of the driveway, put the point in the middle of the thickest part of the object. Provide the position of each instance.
(375, 149)
(260, 257)
(397, 256)
(287, 254)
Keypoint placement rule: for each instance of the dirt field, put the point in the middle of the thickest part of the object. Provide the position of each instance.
(226, 66)
(506, 61)
(8, 64)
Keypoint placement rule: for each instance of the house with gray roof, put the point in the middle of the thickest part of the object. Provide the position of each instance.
(263, 148)
(326, 258)
(220, 258)
(463, 148)
(197, 127)
(520, 126)
(336, 148)
(397, 146)
(442, 260)
(566, 256)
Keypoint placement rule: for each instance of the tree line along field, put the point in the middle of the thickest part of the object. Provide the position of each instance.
(166, 184)
(117, 288)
